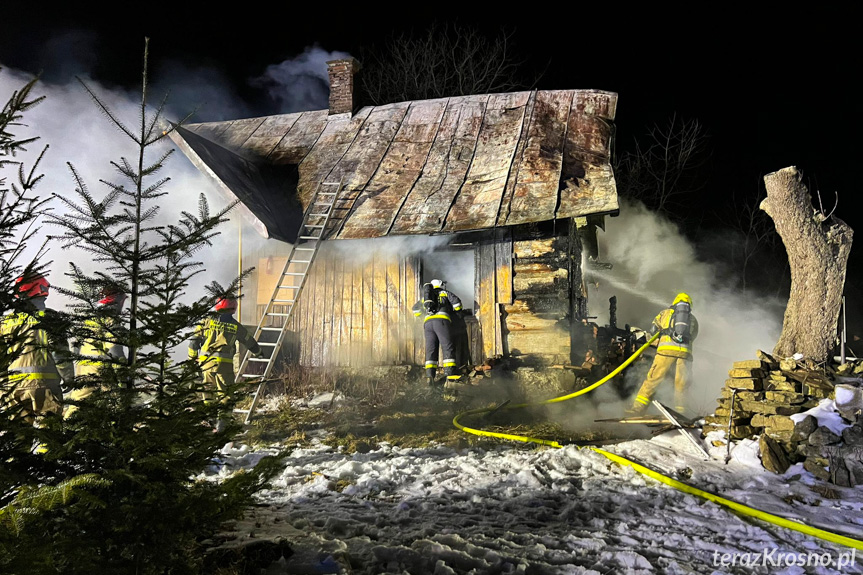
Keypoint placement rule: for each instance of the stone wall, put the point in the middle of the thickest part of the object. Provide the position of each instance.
(770, 400)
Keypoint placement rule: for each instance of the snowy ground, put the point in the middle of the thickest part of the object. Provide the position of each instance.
(525, 509)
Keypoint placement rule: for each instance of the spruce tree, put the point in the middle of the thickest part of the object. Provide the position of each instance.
(20, 254)
(129, 456)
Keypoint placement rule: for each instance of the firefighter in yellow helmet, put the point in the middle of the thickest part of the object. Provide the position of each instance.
(678, 329)
(98, 350)
(33, 387)
(214, 344)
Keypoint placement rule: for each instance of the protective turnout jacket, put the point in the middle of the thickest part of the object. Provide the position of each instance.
(215, 341)
(447, 303)
(666, 345)
(35, 364)
(97, 349)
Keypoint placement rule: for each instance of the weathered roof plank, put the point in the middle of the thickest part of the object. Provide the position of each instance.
(509, 190)
(210, 130)
(538, 179)
(364, 156)
(333, 142)
(477, 204)
(299, 140)
(586, 174)
(449, 159)
(374, 211)
(445, 165)
(267, 136)
(240, 132)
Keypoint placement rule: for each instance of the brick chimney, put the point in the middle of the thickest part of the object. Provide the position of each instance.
(343, 96)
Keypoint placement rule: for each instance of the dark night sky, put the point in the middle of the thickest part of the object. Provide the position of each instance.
(771, 94)
(771, 91)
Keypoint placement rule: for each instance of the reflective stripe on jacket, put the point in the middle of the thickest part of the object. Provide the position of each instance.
(30, 345)
(448, 303)
(97, 348)
(666, 345)
(215, 340)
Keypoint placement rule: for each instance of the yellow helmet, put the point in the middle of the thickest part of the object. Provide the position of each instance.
(682, 297)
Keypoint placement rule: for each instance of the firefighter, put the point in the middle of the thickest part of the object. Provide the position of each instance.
(439, 305)
(460, 342)
(214, 344)
(98, 348)
(678, 329)
(33, 388)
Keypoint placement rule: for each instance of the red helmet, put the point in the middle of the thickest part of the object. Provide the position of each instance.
(111, 295)
(226, 304)
(35, 285)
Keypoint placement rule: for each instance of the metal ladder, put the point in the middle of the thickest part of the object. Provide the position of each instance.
(289, 286)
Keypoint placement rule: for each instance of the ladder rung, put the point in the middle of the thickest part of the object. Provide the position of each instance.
(314, 225)
(271, 314)
(301, 261)
(310, 237)
(326, 193)
(271, 329)
(295, 274)
(306, 249)
(259, 359)
(283, 300)
(320, 215)
(266, 343)
(241, 411)
(289, 287)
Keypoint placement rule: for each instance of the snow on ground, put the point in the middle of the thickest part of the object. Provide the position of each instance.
(526, 509)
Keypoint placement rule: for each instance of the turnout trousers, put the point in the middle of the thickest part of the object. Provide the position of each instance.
(218, 379)
(662, 364)
(439, 331)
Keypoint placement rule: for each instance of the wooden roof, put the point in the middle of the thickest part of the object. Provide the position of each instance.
(423, 167)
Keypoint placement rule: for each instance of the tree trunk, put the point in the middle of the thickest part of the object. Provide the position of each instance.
(818, 248)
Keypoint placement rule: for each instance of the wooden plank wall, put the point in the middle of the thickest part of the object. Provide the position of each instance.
(493, 288)
(356, 314)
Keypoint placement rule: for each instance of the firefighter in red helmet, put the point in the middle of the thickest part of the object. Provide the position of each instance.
(99, 350)
(214, 344)
(33, 386)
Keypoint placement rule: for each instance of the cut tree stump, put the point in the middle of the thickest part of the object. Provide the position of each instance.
(818, 245)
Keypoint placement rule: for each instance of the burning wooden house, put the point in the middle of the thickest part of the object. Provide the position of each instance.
(512, 186)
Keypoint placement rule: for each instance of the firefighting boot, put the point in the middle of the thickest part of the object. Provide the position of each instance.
(638, 408)
(430, 373)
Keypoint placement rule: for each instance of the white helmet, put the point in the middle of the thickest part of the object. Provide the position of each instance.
(436, 283)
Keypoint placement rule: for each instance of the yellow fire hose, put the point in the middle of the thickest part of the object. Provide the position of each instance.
(679, 485)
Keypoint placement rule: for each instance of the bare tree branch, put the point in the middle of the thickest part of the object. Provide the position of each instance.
(666, 165)
(444, 60)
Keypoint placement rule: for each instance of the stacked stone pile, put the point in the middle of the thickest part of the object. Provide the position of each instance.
(768, 393)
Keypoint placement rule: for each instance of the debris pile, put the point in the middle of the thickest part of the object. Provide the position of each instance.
(800, 412)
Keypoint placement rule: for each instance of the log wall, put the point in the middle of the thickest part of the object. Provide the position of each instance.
(546, 282)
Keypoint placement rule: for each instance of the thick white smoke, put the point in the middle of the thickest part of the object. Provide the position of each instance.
(300, 83)
(78, 133)
(652, 262)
